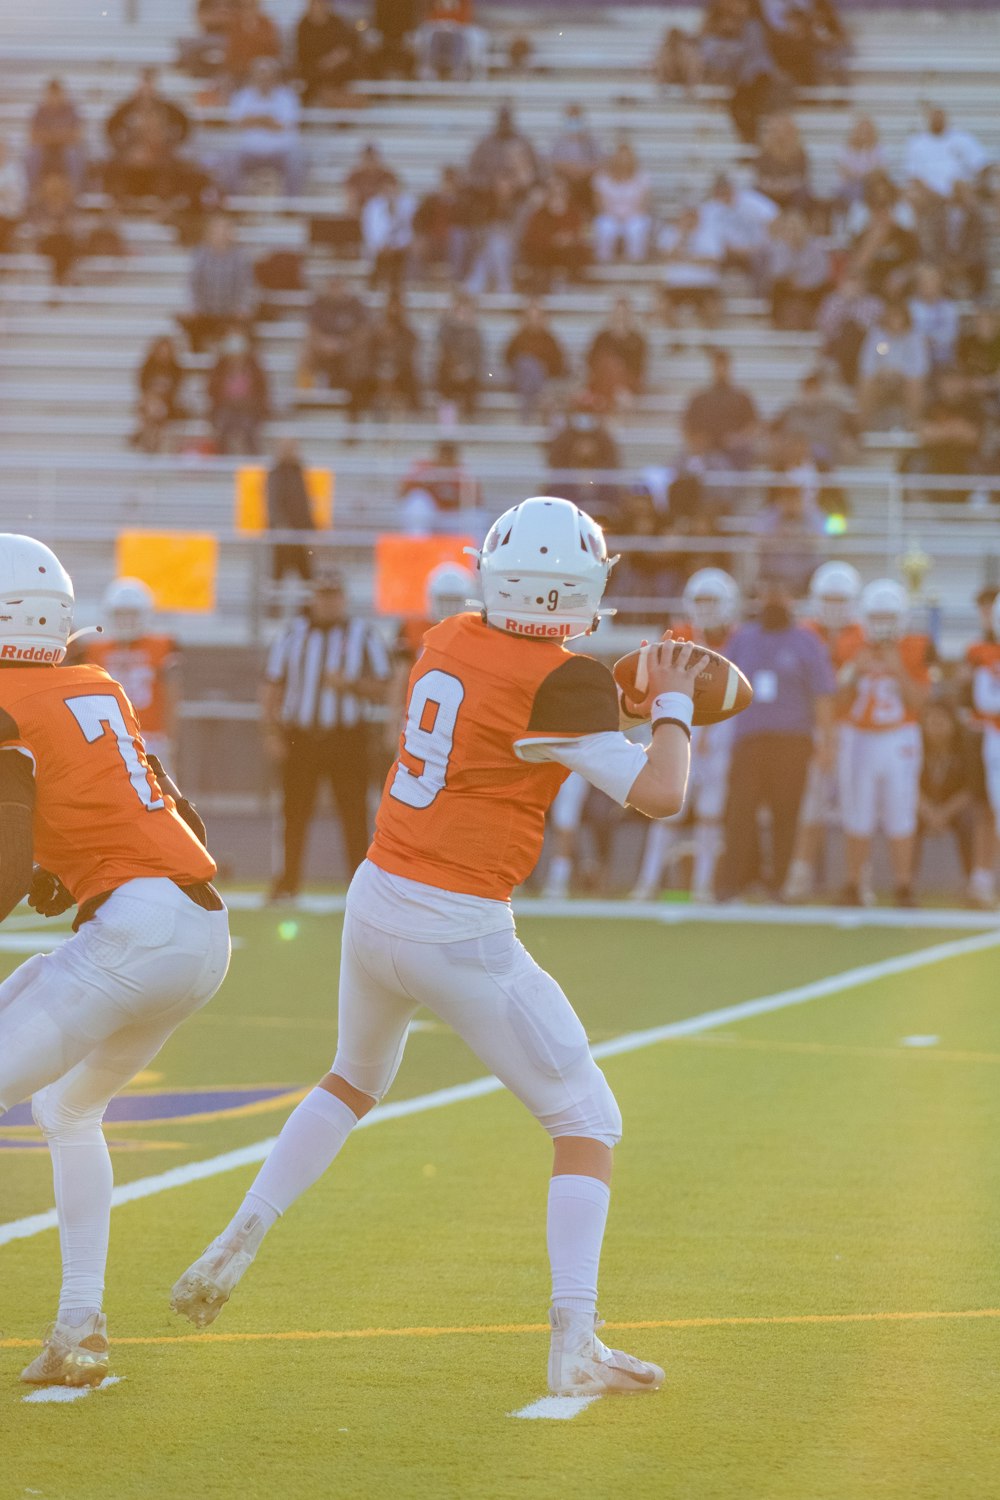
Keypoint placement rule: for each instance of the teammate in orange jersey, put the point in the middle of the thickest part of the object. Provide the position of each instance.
(982, 665)
(834, 591)
(497, 713)
(108, 832)
(882, 691)
(142, 660)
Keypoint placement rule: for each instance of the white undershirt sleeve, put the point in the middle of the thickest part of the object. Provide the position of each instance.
(607, 760)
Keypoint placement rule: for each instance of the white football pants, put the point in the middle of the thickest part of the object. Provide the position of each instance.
(489, 989)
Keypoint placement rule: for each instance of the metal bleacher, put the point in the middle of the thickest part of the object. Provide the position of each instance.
(68, 356)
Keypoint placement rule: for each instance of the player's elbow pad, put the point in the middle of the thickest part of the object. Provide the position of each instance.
(16, 863)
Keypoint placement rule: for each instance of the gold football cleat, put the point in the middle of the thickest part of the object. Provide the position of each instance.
(71, 1356)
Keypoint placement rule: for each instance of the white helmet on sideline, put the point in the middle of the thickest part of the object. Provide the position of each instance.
(36, 601)
(544, 567)
(450, 589)
(128, 604)
(711, 599)
(834, 590)
(884, 608)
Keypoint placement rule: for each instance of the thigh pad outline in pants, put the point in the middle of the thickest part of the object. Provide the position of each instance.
(519, 1022)
(374, 1010)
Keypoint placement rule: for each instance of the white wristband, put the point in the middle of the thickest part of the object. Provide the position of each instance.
(673, 706)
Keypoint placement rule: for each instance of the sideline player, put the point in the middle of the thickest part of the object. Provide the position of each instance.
(834, 591)
(882, 692)
(982, 664)
(151, 944)
(498, 711)
(143, 660)
(712, 606)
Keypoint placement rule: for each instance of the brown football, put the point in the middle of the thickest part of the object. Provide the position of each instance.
(720, 689)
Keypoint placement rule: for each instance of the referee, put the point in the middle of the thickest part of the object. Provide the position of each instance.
(323, 673)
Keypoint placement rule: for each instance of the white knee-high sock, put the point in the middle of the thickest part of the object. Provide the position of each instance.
(578, 1212)
(310, 1139)
(82, 1177)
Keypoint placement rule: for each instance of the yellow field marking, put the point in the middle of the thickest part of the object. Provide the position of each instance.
(286, 1100)
(843, 1049)
(336, 1335)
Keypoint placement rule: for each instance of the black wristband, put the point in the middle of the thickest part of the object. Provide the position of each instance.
(679, 723)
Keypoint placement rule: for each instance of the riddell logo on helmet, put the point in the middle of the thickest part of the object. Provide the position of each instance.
(28, 653)
(528, 627)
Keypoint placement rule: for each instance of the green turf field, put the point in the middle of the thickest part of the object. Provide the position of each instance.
(794, 1192)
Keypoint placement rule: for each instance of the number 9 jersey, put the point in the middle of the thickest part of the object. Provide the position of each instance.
(464, 804)
(100, 816)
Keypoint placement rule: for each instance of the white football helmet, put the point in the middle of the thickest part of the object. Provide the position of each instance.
(36, 601)
(884, 608)
(711, 599)
(834, 591)
(128, 604)
(544, 567)
(450, 589)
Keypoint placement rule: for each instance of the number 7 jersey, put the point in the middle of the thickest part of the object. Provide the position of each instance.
(464, 807)
(100, 816)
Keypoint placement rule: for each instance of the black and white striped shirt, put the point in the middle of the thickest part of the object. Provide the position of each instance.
(304, 658)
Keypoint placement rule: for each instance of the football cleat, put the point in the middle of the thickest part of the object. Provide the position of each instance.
(71, 1356)
(580, 1365)
(207, 1285)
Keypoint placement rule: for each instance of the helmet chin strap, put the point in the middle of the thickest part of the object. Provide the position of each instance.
(87, 630)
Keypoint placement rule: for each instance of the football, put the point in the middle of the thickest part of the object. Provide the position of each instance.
(720, 689)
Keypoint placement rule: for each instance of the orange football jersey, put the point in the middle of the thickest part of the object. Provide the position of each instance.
(141, 666)
(460, 809)
(843, 643)
(984, 659)
(100, 815)
(878, 703)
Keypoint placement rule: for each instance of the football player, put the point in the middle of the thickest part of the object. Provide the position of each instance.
(111, 834)
(498, 712)
(834, 591)
(143, 660)
(712, 606)
(882, 690)
(982, 667)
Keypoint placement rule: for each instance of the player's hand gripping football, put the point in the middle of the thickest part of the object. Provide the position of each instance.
(47, 895)
(672, 666)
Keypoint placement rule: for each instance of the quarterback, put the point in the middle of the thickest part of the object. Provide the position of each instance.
(498, 713)
(110, 833)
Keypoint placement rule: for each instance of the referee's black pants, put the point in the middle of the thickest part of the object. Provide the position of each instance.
(767, 770)
(340, 758)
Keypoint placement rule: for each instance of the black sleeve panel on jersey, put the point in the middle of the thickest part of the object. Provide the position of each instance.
(579, 697)
(17, 803)
(8, 727)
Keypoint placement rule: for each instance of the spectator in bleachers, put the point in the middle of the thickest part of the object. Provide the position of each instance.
(782, 168)
(160, 378)
(289, 509)
(336, 330)
(617, 359)
(844, 318)
(387, 234)
(147, 115)
(740, 217)
(267, 114)
(395, 21)
(722, 418)
(691, 252)
(978, 359)
(13, 193)
(56, 224)
(794, 269)
(534, 358)
(951, 433)
(436, 489)
(885, 251)
(449, 44)
(735, 51)
(370, 176)
(957, 239)
(554, 246)
(678, 60)
(55, 139)
(441, 228)
(503, 154)
(808, 40)
(326, 48)
(238, 401)
(623, 195)
(251, 37)
(221, 286)
(387, 372)
(644, 576)
(460, 360)
(204, 55)
(495, 233)
(893, 366)
(792, 522)
(934, 315)
(829, 429)
(582, 442)
(942, 155)
(947, 776)
(576, 155)
(861, 155)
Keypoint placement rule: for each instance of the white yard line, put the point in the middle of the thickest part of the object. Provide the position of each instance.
(61, 1393)
(555, 1408)
(633, 1041)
